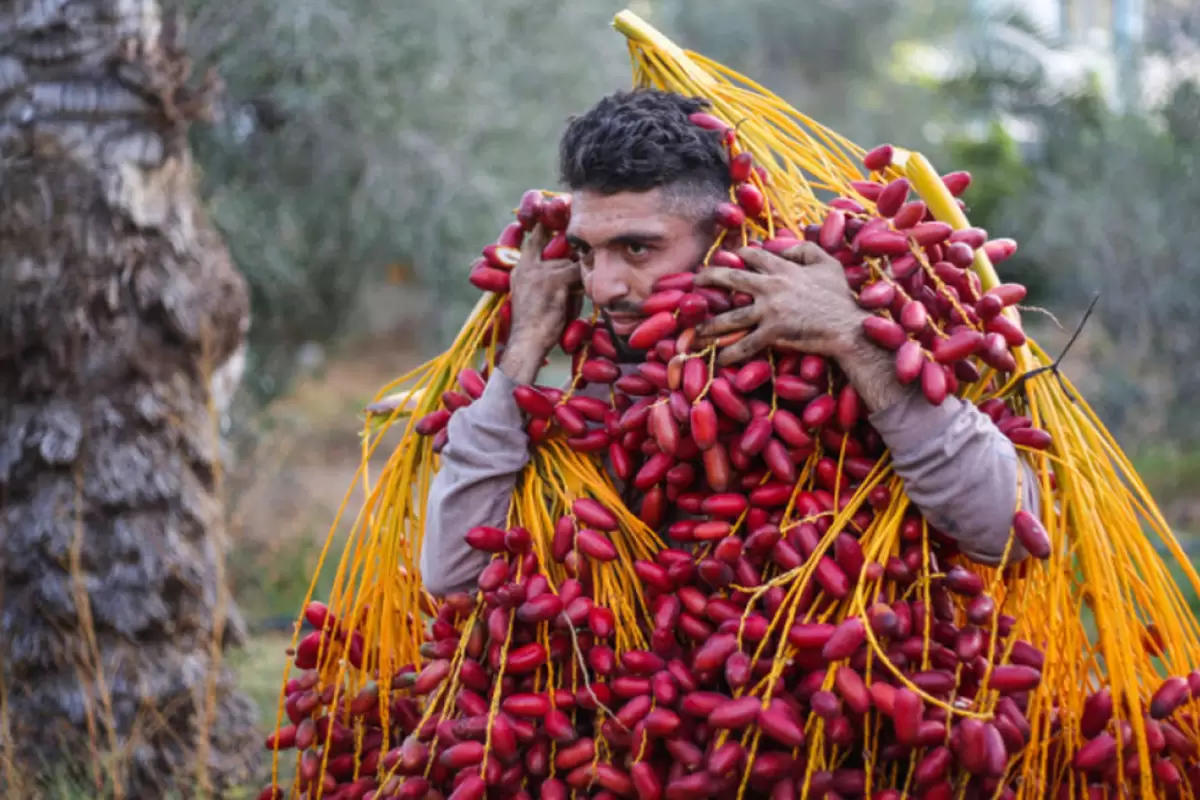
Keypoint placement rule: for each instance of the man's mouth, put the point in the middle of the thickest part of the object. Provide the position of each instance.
(624, 324)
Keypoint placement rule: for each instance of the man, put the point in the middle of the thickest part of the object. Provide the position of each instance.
(644, 182)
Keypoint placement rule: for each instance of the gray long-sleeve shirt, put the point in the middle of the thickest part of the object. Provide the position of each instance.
(958, 469)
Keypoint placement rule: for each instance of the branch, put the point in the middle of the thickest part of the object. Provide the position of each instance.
(1054, 367)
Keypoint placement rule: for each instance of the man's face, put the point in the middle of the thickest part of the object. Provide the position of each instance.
(627, 241)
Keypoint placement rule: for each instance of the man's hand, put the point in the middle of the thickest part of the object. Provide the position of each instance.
(802, 303)
(539, 293)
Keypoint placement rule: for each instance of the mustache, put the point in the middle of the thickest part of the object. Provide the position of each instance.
(622, 307)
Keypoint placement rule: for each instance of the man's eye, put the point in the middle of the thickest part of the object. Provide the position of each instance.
(637, 249)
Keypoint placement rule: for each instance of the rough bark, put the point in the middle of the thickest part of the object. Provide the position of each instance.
(120, 312)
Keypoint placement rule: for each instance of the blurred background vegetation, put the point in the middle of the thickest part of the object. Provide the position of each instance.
(367, 149)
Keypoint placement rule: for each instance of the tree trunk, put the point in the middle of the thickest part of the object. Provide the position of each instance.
(120, 315)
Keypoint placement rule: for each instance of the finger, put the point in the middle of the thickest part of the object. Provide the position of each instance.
(563, 272)
(739, 351)
(535, 240)
(733, 279)
(762, 261)
(807, 254)
(808, 345)
(734, 320)
(788, 346)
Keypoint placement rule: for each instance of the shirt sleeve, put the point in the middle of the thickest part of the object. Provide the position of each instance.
(960, 471)
(486, 448)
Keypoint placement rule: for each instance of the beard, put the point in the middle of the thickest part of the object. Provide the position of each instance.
(625, 353)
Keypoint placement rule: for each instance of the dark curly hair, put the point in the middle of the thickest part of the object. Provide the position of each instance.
(634, 141)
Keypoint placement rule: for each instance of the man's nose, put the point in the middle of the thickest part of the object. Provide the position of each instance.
(608, 282)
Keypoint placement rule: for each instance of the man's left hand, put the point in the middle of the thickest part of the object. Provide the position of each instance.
(801, 302)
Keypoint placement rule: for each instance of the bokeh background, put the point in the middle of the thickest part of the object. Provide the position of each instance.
(366, 149)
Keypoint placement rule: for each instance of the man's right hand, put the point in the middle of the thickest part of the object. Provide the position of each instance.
(539, 292)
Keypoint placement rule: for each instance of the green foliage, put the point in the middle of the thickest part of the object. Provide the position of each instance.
(1113, 214)
(997, 168)
(359, 134)
(1100, 202)
(999, 175)
(830, 59)
(272, 578)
